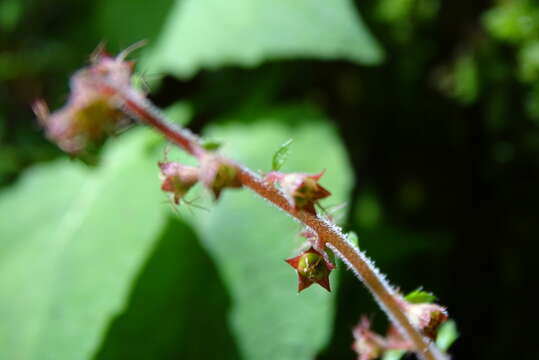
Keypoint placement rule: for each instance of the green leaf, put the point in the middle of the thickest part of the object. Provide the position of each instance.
(10, 14)
(419, 296)
(211, 144)
(249, 240)
(466, 78)
(352, 238)
(280, 156)
(214, 33)
(71, 242)
(124, 22)
(447, 335)
(369, 212)
(393, 355)
(528, 59)
(178, 304)
(512, 21)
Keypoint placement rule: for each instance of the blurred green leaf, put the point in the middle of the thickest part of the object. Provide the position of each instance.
(72, 240)
(352, 238)
(532, 104)
(447, 335)
(368, 210)
(212, 33)
(123, 22)
(249, 240)
(393, 355)
(466, 79)
(512, 21)
(211, 144)
(394, 10)
(420, 296)
(528, 58)
(10, 13)
(178, 306)
(280, 156)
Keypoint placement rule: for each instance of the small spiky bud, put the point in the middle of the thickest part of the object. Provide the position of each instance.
(302, 190)
(311, 267)
(177, 179)
(217, 174)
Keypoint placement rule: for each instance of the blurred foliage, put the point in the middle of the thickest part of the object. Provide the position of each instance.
(212, 33)
(447, 335)
(431, 106)
(419, 296)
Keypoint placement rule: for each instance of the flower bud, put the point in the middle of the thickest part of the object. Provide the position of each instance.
(302, 190)
(90, 113)
(311, 267)
(177, 179)
(426, 317)
(367, 344)
(217, 174)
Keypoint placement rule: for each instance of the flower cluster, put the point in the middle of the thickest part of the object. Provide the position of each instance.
(214, 173)
(101, 102)
(426, 317)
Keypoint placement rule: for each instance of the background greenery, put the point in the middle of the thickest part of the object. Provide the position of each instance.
(425, 114)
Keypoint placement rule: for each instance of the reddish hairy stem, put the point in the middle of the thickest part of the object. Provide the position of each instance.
(329, 234)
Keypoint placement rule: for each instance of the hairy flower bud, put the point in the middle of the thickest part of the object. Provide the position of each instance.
(367, 344)
(426, 317)
(177, 179)
(301, 190)
(90, 113)
(217, 174)
(311, 267)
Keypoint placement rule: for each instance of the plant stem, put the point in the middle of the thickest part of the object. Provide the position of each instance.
(330, 235)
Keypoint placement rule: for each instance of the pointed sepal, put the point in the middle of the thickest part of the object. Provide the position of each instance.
(217, 174)
(311, 267)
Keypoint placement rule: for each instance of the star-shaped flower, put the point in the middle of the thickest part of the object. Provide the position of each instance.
(302, 190)
(311, 267)
(217, 174)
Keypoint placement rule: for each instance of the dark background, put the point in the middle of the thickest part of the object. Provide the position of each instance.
(443, 136)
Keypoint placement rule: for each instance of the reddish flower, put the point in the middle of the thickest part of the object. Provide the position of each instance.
(216, 174)
(177, 179)
(426, 317)
(311, 267)
(396, 341)
(370, 345)
(302, 190)
(89, 114)
(367, 343)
